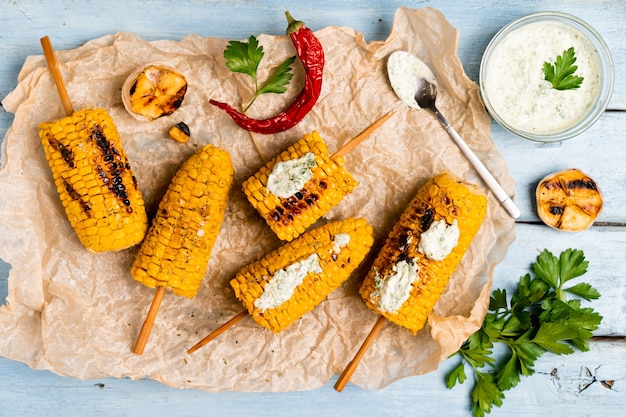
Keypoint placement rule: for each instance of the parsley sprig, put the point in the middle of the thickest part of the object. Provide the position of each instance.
(245, 57)
(539, 318)
(561, 73)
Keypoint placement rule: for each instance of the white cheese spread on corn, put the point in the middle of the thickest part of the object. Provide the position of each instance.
(341, 241)
(283, 283)
(395, 289)
(439, 240)
(289, 177)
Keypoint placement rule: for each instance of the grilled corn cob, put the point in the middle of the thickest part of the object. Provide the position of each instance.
(289, 282)
(298, 186)
(409, 274)
(95, 182)
(176, 251)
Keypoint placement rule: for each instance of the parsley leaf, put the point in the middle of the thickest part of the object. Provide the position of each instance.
(584, 290)
(278, 81)
(485, 394)
(537, 319)
(561, 73)
(245, 58)
(457, 375)
(550, 336)
(573, 264)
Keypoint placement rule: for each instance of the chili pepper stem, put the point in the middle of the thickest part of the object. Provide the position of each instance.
(293, 24)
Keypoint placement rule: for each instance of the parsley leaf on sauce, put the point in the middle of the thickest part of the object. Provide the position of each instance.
(561, 73)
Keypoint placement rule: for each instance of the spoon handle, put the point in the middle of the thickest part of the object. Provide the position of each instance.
(489, 179)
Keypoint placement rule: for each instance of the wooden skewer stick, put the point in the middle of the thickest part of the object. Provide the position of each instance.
(144, 334)
(341, 152)
(362, 136)
(347, 373)
(53, 64)
(230, 323)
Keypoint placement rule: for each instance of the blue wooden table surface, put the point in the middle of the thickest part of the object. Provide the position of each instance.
(582, 384)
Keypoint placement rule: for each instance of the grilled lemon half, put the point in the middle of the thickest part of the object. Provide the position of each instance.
(153, 91)
(568, 200)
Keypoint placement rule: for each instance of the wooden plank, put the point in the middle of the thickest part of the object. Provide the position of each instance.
(78, 22)
(577, 385)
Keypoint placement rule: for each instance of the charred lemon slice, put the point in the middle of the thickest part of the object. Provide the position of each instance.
(568, 200)
(153, 91)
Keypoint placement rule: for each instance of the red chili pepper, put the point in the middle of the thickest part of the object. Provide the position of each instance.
(310, 52)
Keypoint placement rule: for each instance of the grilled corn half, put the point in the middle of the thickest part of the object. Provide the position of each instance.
(176, 251)
(569, 200)
(422, 251)
(94, 179)
(297, 187)
(290, 281)
(153, 91)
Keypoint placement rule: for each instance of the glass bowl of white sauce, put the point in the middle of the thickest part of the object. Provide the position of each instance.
(513, 85)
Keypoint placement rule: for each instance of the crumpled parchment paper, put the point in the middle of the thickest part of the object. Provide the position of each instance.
(79, 314)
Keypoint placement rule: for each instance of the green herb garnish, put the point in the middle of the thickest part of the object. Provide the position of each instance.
(538, 319)
(561, 74)
(245, 57)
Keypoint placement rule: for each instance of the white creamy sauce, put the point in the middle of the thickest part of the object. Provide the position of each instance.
(402, 68)
(283, 283)
(395, 289)
(438, 241)
(341, 241)
(516, 85)
(289, 177)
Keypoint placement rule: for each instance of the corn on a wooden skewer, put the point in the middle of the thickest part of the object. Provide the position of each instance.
(177, 248)
(91, 172)
(323, 184)
(176, 251)
(94, 179)
(442, 205)
(303, 183)
(323, 257)
(289, 282)
(419, 256)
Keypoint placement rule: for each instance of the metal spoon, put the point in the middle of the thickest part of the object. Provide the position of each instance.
(402, 67)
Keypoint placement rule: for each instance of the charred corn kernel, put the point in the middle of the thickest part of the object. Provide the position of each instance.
(94, 180)
(180, 132)
(290, 281)
(311, 184)
(408, 277)
(176, 251)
